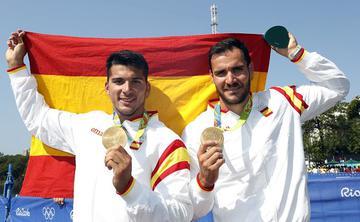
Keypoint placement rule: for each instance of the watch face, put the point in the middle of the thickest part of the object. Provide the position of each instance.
(277, 36)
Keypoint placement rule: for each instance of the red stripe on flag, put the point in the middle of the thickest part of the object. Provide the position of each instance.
(49, 176)
(75, 56)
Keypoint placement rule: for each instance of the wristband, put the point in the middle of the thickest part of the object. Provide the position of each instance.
(16, 68)
(207, 189)
(128, 187)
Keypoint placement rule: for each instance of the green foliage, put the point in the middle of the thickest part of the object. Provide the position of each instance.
(19, 163)
(353, 111)
(333, 134)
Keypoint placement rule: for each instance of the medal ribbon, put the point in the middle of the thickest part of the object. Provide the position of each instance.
(139, 136)
(243, 116)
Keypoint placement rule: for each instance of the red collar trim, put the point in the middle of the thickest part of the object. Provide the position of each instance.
(212, 103)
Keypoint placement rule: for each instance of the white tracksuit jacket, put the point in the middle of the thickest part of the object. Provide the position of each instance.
(163, 196)
(264, 175)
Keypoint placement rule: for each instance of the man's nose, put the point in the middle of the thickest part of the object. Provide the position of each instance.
(230, 78)
(126, 86)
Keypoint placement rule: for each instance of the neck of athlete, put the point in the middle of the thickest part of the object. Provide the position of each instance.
(137, 114)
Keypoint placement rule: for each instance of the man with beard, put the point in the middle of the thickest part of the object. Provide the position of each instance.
(256, 172)
(150, 171)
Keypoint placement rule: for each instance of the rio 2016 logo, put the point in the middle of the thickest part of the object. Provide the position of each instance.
(22, 212)
(348, 192)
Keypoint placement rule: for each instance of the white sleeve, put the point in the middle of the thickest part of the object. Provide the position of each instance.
(51, 126)
(168, 199)
(203, 201)
(328, 84)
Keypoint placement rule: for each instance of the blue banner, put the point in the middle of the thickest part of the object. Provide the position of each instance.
(3, 203)
(334, 197)
(24, 209)
(206, 218)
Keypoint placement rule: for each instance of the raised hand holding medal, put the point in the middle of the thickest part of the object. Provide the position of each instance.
(117, 158)
(210, 157)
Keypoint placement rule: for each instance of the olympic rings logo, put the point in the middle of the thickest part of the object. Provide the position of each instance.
(48, 212)
(71, 214)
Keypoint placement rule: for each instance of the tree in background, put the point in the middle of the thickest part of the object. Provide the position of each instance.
(19, 163)
(334, 134)
(353, 114)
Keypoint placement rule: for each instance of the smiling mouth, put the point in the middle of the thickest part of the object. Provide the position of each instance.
(127, 100)
(231, 89)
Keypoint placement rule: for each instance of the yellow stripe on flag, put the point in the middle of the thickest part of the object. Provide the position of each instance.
(74, 94)
(40, 149)
(258, 81)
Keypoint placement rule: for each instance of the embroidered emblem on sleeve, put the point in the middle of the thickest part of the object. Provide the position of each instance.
(174, 158)
(295, 99)
(266, 111)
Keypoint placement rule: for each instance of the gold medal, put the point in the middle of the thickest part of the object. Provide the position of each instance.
(114, 137)
(212, 133)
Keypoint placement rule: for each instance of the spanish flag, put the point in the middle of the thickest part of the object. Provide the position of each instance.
(70, 72)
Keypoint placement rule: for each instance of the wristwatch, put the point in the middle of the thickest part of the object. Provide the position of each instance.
(294, 53)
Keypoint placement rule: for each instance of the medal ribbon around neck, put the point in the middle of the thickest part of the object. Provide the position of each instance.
(243, 116)
(139, 136)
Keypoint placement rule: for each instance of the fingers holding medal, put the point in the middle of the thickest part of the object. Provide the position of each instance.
(114, 139)
(210, 155)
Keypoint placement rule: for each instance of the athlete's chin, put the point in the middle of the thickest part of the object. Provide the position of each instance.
(126, 111)
(233, 99)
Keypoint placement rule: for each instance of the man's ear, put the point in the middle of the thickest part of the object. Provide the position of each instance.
(211, 74)
(107, 87)
(148, 88)
(251, 70)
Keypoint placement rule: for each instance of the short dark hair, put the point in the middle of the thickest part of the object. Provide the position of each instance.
(127, 58)
(228, 45)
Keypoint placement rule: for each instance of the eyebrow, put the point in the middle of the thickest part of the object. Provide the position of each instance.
(219, 71)
(233, 67)
(134, 78)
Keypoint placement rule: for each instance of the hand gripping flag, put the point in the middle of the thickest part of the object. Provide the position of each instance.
(70, 72)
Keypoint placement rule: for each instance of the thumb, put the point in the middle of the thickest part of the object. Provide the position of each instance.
(21, 35)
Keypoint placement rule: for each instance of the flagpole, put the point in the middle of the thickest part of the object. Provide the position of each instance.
(9, 183)
(214, 23)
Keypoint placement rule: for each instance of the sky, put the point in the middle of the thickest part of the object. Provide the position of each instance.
(331, 28)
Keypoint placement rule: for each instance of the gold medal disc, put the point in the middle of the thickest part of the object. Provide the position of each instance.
(113, 137)
(212, 133)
